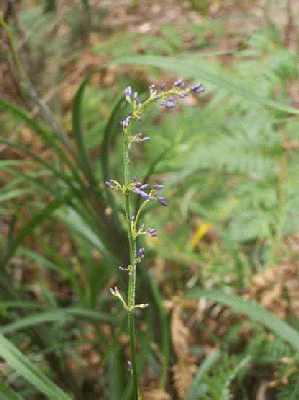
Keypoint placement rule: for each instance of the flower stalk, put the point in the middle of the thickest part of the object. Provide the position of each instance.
(147, 192)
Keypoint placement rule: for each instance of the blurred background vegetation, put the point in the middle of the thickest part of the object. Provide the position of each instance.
(229, 238)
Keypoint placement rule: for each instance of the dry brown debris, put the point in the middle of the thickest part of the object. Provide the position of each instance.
(156, 394)
(277, 289)
(185, 366)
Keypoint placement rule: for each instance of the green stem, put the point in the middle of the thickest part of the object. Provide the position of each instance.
(132, 268)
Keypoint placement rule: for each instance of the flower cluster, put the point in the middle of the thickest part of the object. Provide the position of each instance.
(168, 99)
(149, 192)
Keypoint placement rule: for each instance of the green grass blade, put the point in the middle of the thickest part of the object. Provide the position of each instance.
(195, 388)
(111, 130)
(12, 194)
(253, 311)
(37, 219)
(48, 138)
(192, 68)
(35, 319)
(63, 177)
(77, 131)
(25, 368)
(6, 305)
(58, 316)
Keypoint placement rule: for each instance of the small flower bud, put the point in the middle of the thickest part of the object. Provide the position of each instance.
(152, 232)
(197, 89)
(158, 186)
(153, 90)
(179, 83)
(162, 200)
(139, 138)
(109, 184)
(125, 122)
(168, 103)
(128, 92)
(141, 193)
(140, 252)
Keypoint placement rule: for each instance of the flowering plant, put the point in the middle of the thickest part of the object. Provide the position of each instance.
(129, 187)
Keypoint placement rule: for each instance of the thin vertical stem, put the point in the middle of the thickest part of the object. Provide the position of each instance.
(132, 267)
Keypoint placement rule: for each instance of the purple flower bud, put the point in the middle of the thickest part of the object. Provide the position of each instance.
(198, 88)
(168, 103)
(109, 184)
(128, 92)
(142, 194)
(183, 95)
(139, 138)
(140, 252)
(162, 200)
(126, 121)
(152, 232)
(158, 187)
(153, 90)
(179, 83)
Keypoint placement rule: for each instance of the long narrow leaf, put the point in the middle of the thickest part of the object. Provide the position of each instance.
(25, 368)
(253, 311)
(195, 388)
(77, 131)
(48, 138)
(61, 316)
(30, 226)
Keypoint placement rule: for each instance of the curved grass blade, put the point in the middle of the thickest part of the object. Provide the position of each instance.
(111, 129)
(25, 368)
(58, 316)
(30, 226)
(253, 311)
(189, 67)
(74, 220)
(78, 134)
(44, 134)
(195, 388)
(110, 132)
(42, 162)
(35, 319)
(6, 305)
